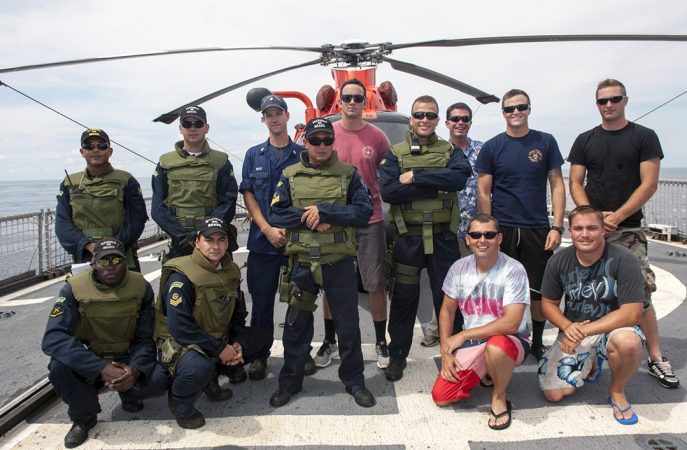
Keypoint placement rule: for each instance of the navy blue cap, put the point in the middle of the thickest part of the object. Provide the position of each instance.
(273, 101)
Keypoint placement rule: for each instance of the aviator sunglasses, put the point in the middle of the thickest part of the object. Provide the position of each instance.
(110, 262)
(615, 99)
(346, 98)
(329, 140)
(457, 119)
(430, 115)
(192, 124)
(489, 235)
(521, 107)
(93, 145)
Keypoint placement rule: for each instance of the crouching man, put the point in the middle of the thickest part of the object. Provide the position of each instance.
(200, 326)
(492, 292)
(100, 333)
(604, 295)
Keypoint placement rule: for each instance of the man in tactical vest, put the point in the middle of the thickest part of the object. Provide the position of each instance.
(262, 168)
(200, 322)
(419, 178)
(190, 183)
(319, 201)
(97, 202)
(100, 334)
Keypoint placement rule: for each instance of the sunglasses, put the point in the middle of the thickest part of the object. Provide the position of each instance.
(346, 98)
(93, 145)
(110, 262)
(192, 124)
(419, 115)
(329, 140)
(521, 107)
(457, 119)
(615, 99)
(487, 234)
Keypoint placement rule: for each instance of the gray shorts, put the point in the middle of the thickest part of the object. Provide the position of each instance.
(371, 251)
(634, 239)
(559, 370)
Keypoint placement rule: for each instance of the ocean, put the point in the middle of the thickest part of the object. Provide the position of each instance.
(20, 197)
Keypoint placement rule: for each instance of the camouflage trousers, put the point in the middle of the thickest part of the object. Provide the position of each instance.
(634, 239)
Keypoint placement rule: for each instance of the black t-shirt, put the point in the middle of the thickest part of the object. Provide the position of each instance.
(612, 161)
(592, 292)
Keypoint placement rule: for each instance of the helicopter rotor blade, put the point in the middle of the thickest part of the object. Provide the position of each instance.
(322, 49)
(174, 114)
(437, 77)
(539, 38)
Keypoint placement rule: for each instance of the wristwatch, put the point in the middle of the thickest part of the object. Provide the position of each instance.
(559, 229)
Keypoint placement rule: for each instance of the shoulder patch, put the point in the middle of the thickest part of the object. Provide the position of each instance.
(175, 300)
(176, 284)
(60, 193)
(280, 183)
(275, 199)
(383, 161)
(60, 299)
(57, 310)
(154, 173)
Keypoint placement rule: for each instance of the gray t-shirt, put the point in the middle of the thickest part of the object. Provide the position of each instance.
(592, 292)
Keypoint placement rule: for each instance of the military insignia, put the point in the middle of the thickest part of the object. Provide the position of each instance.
(176, 284)
(57, 310)
(383, 161)
(231, 172)
(535, 156)
(275, 199)
(279, 184)
(175, 300)
(60, 299)
(154, 173)
(59, 193)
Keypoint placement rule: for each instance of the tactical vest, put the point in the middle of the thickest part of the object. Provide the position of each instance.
(324, 184)
(216, 293)
(192, 183)
(427, 216)
(107, 315)
(97, 203)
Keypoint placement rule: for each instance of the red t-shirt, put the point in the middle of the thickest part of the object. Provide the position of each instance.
(364, 149)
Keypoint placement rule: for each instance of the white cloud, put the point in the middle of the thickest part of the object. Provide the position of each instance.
(124, 96)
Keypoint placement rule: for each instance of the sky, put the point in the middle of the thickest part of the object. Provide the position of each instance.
(123, 97)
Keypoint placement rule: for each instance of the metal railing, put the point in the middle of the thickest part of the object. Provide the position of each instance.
(29, 247)
(668, 206)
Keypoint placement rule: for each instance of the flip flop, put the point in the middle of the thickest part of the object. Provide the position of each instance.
(486, 382)
(621, 420)
(503, 426)
(595, 373)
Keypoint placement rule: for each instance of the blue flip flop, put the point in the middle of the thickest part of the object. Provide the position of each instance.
(621, 420)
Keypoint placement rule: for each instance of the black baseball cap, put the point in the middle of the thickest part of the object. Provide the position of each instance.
(94, 132)
(193, 111)
(108, 246)
(317, 125)
(210, 226)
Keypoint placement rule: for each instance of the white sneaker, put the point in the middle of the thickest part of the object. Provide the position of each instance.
(382, 355)
(324, 355)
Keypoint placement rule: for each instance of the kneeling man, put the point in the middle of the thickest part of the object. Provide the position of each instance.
(200, 326)
(604, 294)
(492, 292)
(100, 333)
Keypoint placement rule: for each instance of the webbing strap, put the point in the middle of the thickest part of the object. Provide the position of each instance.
(407, 274)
